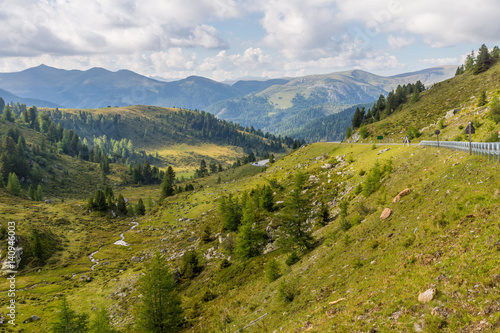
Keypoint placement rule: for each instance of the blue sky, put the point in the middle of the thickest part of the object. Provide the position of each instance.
(231, 39)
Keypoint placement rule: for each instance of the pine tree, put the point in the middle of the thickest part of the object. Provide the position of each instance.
(482, 100)
(102, 323)
(295, 230)
(160, 310)
(167, 186)
(267, 199)
(251, 239)
(273, 270)
(323, 214)
(13, 185)
(100, 201)
(203, 169)
(483, 61)
(271, 159)
(36, 244)
(39, 193)
(68, 321)
(140, 208)
(122, 206)
(190, 265)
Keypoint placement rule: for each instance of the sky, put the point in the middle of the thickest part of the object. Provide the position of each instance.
(231, 39)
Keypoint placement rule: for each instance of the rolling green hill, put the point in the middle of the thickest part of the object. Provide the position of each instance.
(169, 136)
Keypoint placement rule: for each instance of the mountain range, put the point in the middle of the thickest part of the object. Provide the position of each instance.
(274, 105)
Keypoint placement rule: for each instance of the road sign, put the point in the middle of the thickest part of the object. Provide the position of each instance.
(470, 129)
(380, 137)
(437, 132)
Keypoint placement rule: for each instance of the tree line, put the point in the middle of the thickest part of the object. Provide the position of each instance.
(480, 63)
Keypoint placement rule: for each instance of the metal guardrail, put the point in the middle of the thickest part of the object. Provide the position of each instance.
(490, 149)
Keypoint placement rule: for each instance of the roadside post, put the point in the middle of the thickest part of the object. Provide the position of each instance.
(470, 130)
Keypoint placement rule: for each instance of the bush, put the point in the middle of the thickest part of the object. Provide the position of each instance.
(287, 291)
(273, 271)
(224, 264)
(363, 131)
(292, 259)
(495, 110)
(345, 224)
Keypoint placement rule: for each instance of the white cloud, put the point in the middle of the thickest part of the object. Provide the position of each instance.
(398, 42)
(439, 61)
(99, 27)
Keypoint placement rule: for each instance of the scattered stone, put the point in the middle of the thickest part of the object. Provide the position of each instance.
(48, 201)
(85, 278)
(401, 194)
(192, 239)
(417, 327)
(308, 326)
(31, 319)
(427, 295)
(137, 259)
(386, 213)
(327, 166)
(451, 113)
(383, 151)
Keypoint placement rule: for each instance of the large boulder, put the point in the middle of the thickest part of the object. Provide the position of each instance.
(401, 194)
(386, 213)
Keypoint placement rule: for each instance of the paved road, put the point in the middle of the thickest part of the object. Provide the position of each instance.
(261, 163)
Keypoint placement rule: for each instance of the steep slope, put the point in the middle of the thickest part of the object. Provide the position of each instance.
(363, 274)
(447, 106)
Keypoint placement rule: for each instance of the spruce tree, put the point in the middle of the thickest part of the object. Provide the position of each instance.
(13, 185)
(140, 208)
(100, 201)
(251, 239)
(122, 206)
(267, 199)
(67, 320)
(483, 60)
(160, 310)
(39, 193)
(102, 323)
(295, 230)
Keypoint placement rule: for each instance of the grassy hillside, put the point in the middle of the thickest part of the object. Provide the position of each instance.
(460, 93)
(176, 137)
(361, 276)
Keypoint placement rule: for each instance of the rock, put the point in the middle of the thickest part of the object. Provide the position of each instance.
(192, 239)
(386, 213)
(48, 201)
(85, 278)
(327, 166)
(417, 327)
(427, 295)
(31, 319)
(137, 259)
(401, 194)
(383, 151)
(113, 214)
(451, 113)
(270, 247)
(308, 326)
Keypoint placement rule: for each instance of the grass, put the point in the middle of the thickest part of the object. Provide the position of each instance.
(370, 280)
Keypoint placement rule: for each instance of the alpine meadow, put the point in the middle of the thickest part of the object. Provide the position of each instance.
(249, 167)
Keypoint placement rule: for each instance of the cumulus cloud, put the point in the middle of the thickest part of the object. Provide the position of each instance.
(398, 42)
(97, 27)
(439, 61)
